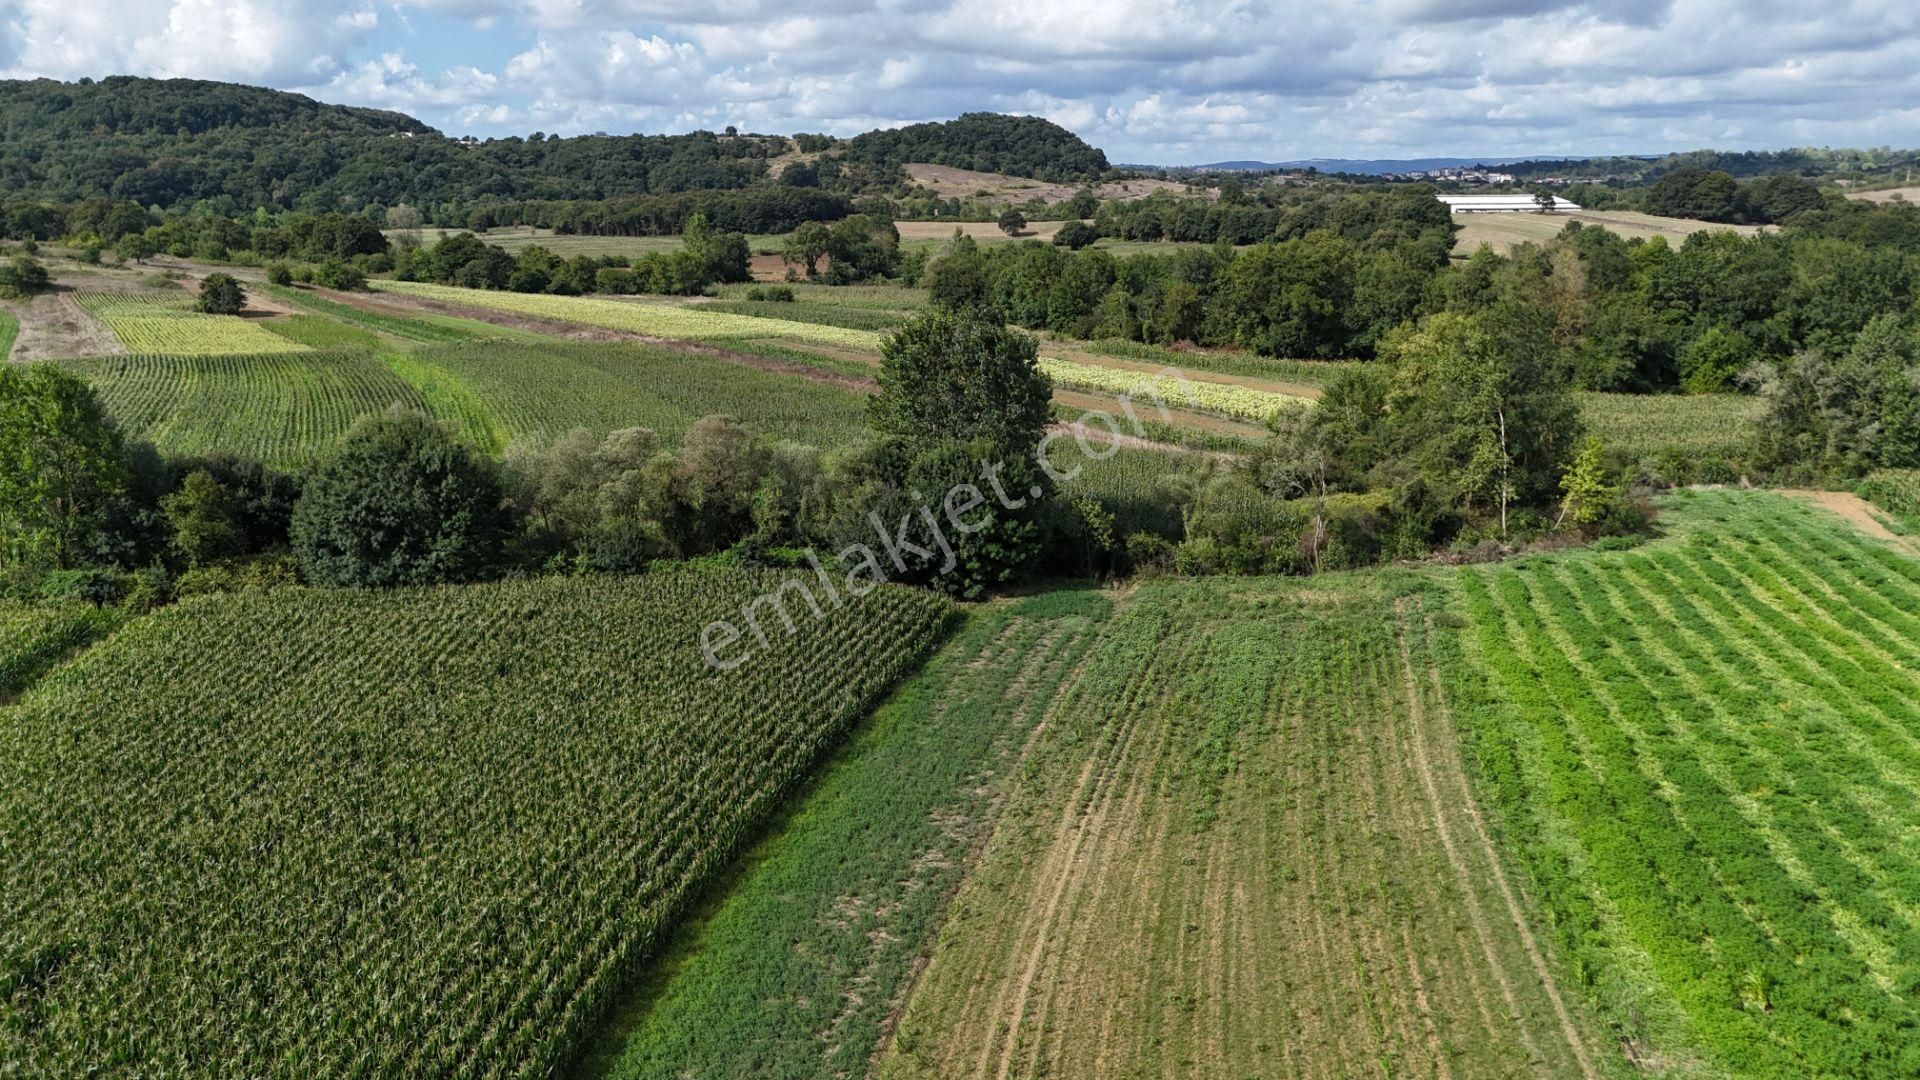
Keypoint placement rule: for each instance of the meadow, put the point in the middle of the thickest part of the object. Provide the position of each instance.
(1703, 751)
(1504, 232)
(426, 832)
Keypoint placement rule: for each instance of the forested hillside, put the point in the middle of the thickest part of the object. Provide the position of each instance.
(174, 142)
(987, 142)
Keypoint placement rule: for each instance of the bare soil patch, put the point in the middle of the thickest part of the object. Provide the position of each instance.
(54, 326)
(1856, 512)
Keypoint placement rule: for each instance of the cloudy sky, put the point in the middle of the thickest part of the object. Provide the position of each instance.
(1163, 81)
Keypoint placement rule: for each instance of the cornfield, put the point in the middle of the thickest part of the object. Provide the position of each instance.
(278, 407)
(165, 324)
(1148, 390)
(421, 833)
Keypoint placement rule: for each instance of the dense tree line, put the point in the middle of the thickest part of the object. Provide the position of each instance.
(706, 256)
(1742, 164)
(765, 209)
(988, 142)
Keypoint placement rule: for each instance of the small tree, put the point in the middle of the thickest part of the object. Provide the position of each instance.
(136, 247)
(221, 294)
(1544, 201)
(1075, 235)
(400, 502)
(24, 276)
(806, 246)
(1587, 489)
(1012, 221)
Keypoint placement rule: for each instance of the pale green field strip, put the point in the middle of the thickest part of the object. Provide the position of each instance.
(165, 324)
(1245, 846)
(795, 971)
(1706, 750)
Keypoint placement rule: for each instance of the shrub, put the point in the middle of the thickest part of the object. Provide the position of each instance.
(782, 294)
(1075, 235)
(278, 274)
(24, 276)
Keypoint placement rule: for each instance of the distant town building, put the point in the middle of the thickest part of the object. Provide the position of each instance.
(1504, 204)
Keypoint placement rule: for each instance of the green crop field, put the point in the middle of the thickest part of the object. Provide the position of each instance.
(1238, 849)
(547, 390)
(796, 970)
(395, 833)
(1697, 426)
(166, 324)
(277, 407)
(1705, 752)
(425, 328)
(9, 329)
(847, 316)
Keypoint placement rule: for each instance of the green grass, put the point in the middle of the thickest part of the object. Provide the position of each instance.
(423, 329)
(9, 329)
(321, 332)
(794, 971)
(1704, 751)
(35, 638)
(1313, 374)
(807, 311)
(899, 299)
(424, 833)
(282, 408)
(543, 391)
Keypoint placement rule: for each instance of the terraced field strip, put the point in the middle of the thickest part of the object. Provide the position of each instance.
(169, 325)
(279, 407)
(1709, 751)
(799, 969)
(1246, 846)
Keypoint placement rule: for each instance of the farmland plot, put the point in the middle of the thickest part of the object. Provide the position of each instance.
(1246, 847)
(282, 407)
(33, 638)
(1706, 751)
(422, 832)
(165, 324)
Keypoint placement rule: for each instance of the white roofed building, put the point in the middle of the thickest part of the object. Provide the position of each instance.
(1504, 204)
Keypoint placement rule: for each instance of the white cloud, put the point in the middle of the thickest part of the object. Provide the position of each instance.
(1147, 79)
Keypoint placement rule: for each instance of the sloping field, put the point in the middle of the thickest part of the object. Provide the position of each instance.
(405, 833)
(1707, 751)
(35, 638)
(168, 324)
(1504, 232)
(279, 407)
(1245, 846)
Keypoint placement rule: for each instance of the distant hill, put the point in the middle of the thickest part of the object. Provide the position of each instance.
(1024, 146)
(177, 142)
(1354, 166)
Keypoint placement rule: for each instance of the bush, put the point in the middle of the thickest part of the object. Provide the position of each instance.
(278, 274)
(24, 276)
(400, 502)
(1075, 235)
(782, 294)
(220, 294)
(334, 274)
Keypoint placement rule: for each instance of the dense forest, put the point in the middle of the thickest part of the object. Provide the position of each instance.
(988, 142)
(176, 143)
(1740, 164)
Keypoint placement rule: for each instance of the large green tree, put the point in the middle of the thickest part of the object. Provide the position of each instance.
(63, 469)
(399, 502)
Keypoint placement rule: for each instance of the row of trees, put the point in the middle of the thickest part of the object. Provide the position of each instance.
(462, 259)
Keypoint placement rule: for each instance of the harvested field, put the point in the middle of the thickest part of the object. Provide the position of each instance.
(1504, 232)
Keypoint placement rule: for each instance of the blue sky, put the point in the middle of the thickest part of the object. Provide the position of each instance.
(1148, 80)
